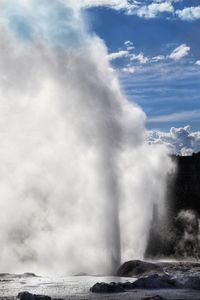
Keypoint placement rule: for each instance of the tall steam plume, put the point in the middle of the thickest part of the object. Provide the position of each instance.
(77, 182)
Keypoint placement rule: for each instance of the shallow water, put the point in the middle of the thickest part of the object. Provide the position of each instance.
(53, 286)
(77, 288)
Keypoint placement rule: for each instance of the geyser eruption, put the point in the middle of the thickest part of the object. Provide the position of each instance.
(77, 182)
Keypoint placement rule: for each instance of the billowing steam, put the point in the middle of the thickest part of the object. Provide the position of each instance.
(187, 235)
(77, 182)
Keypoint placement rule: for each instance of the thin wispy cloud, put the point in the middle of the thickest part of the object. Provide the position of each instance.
(158, 58)
(129, 69)
(128, 43)
(119, 54)
(180, 52)
(174, 117)
(128, 53)
(130, 56)
(140, 58)
(115, 4)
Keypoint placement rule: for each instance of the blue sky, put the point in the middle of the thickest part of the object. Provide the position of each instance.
(156, 52)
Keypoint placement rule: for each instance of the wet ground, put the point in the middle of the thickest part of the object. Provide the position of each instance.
(78, 287)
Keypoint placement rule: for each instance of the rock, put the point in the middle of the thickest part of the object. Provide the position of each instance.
(4, 274)
(106, 288)
(189, 282)
(155, 282)
(25, 296)
(28, 274)
(157, 297)
(181, 268)
(166, 281)
(137, 268)
(29, 296)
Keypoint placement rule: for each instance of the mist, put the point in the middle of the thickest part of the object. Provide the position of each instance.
(187, 235)
(77, 181)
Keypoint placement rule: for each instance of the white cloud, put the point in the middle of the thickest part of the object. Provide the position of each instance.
(186, 151)
(133, 7)
(179, 140)
(127, 51)
(128, 54)
(154, 9)
(180, 52)
(140, 58)
(130, 48)
(181, 116)
(119, 54)
(129, 69)
(128, 43)
(158, 58)
(115, 4)
(189, 13)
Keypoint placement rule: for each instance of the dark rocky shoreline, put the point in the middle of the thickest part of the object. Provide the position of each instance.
(154, 276)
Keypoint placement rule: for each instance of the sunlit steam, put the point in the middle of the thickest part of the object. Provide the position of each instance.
(77, 182)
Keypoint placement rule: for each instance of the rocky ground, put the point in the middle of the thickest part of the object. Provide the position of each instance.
(136, 280)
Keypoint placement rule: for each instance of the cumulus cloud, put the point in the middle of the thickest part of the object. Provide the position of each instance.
(197, 62)
(189, 13)
(155, 9)
(181, 141)
(180, 52)
(152, 10)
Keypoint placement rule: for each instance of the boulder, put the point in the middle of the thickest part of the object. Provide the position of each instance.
(155, 282)
(106, 288)
(137, 268)
(25, 275)
(167, 282)
(29, 296)
(25, 296)
(189, 282)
